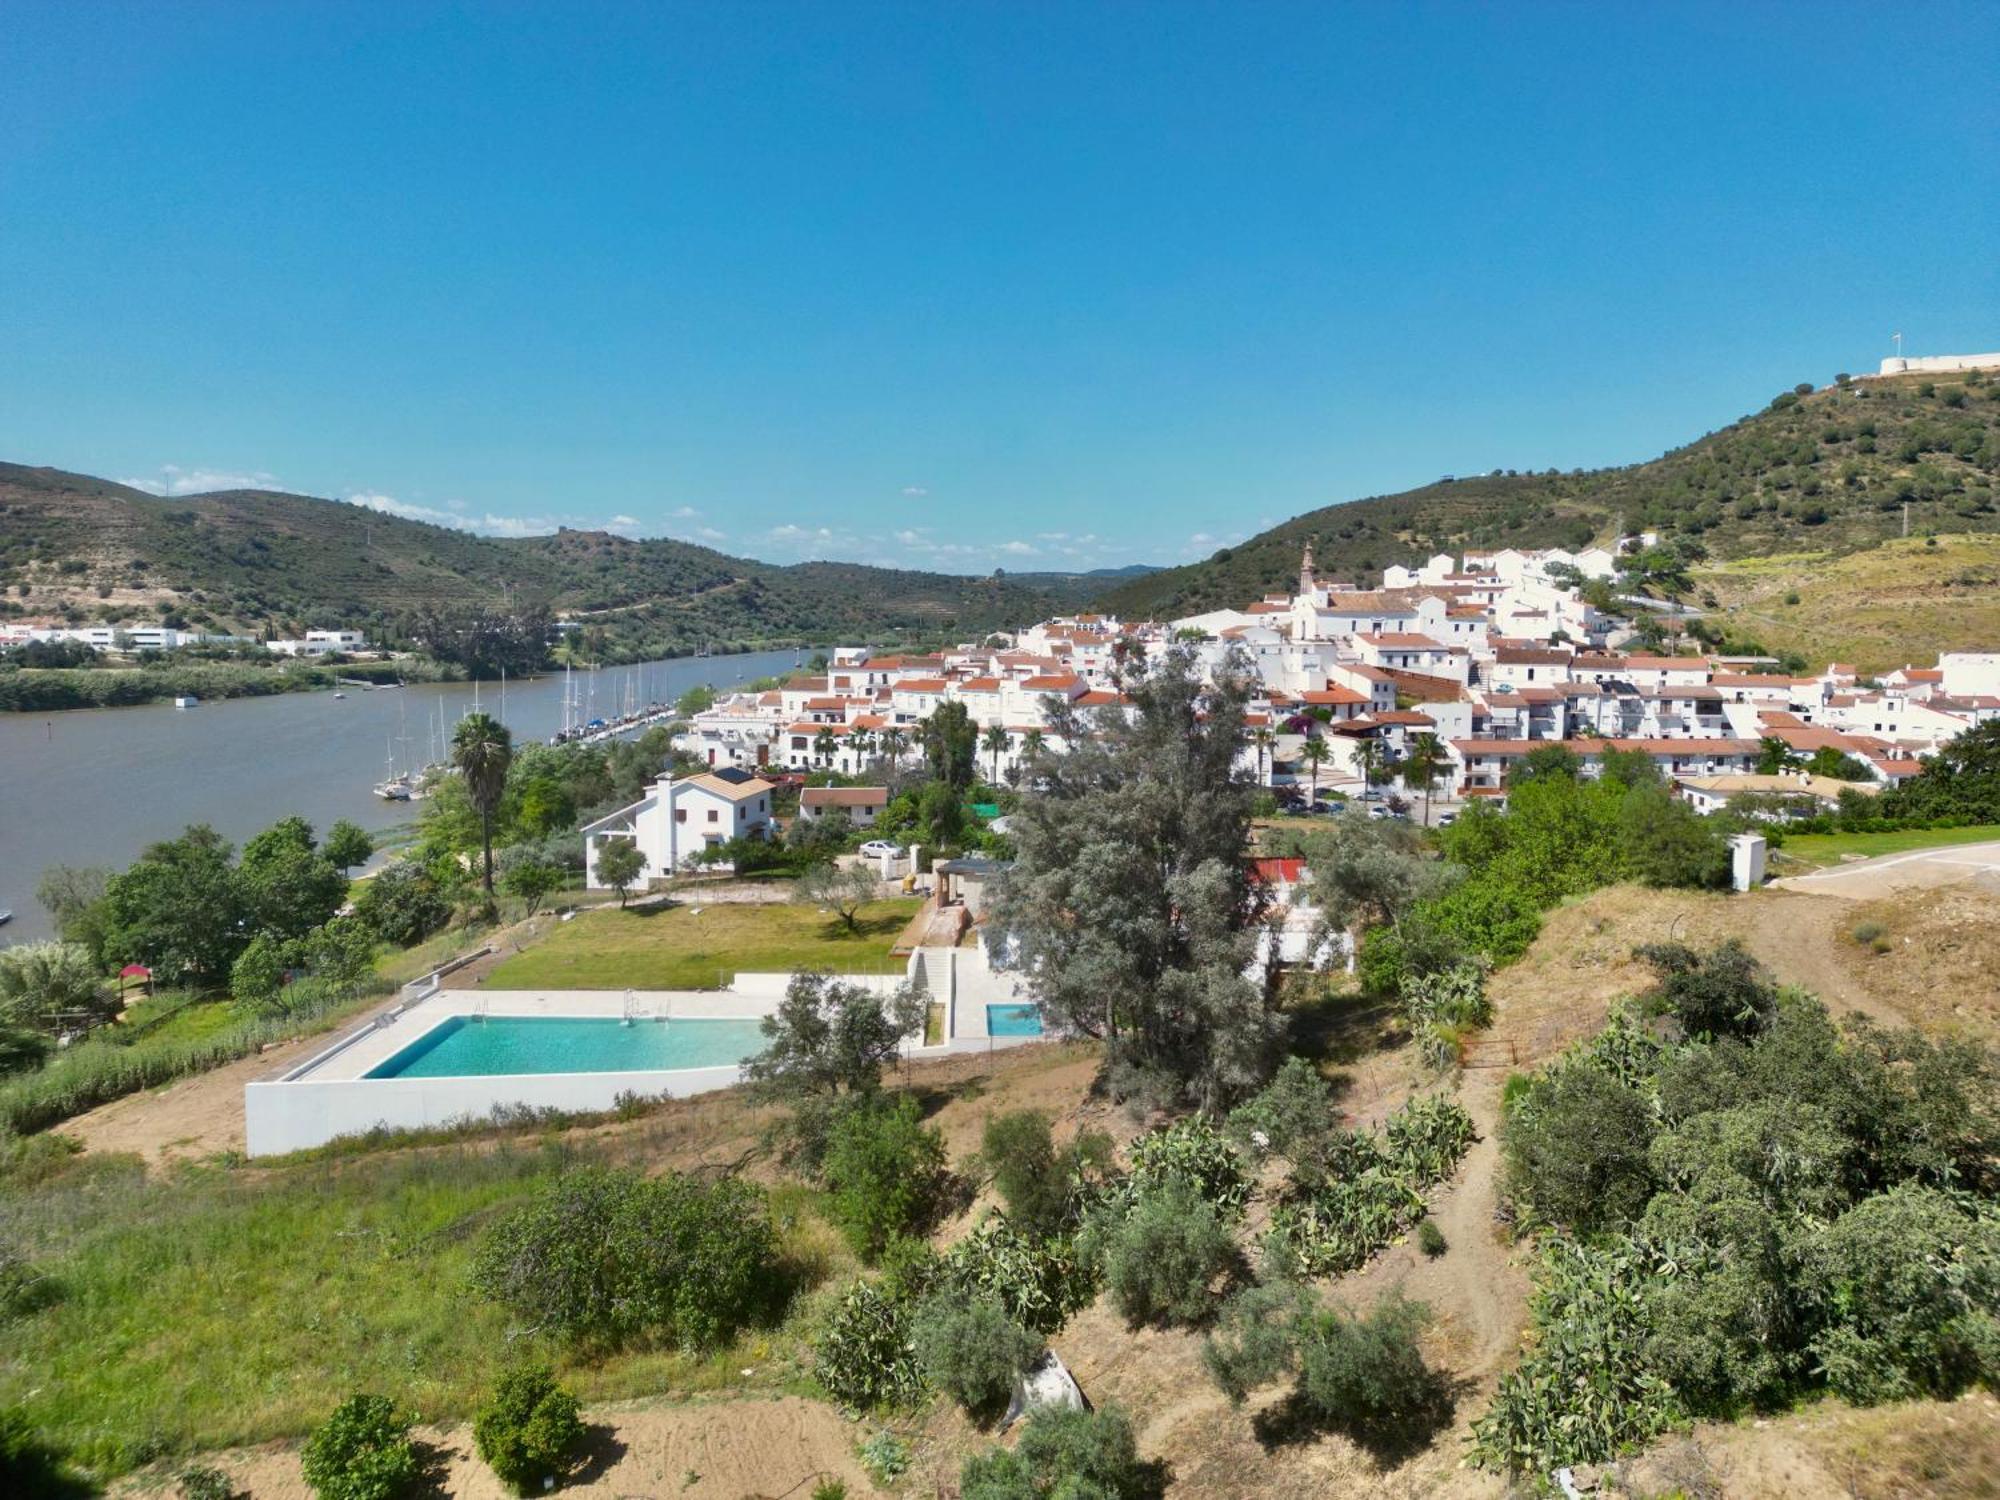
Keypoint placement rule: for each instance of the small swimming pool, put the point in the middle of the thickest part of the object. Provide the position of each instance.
(1013, 1020)
(491, 1046)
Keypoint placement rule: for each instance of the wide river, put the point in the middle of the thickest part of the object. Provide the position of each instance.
(95, 786)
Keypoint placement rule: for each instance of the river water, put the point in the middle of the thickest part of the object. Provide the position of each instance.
(95, 786)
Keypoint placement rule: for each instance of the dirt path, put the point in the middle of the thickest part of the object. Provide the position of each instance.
(715, 1450)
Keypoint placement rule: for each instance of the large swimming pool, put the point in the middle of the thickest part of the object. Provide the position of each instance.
(488, 1046)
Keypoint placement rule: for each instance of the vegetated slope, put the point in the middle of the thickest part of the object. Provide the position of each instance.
(1892, 605)
(1826, 471)
(254, 560)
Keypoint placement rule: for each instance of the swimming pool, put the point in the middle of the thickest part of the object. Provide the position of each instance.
(491, 1046)
(1013, 1020)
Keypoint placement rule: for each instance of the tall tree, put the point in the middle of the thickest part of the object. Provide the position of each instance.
(289, 885)
(178, 909)
(995, 742)
(482, 749)
(1315, 754)
(950, 742)
(824, 745)
(1425, 759)
(1129, 909)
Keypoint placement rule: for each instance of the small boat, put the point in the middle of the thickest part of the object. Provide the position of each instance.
(340, 695)
(186, 700)
(5, 918)
(395, 789)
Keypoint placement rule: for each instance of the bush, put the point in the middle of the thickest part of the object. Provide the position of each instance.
(886, 1457)
(1293, 1115)
(31, 1467)
(1577, 1147)
(1064, 1452)
(1162, 1255)
(205, 1482)
(1907, 1283)
(528, 1430)
(1724, 992)
(971, 1350)
(1366, 1377)
(885, 1171)
(1035, 1180)
(361, 1452)
(1442, 1007)
(610, 1256)
(1430, 1239)
(1040, 1282)
(1191, 1152)
(862, 1358)
(403, 905)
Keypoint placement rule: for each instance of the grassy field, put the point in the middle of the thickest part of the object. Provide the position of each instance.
(1901, 602)
(701, 948)
(1821, 849)
(352, 1279)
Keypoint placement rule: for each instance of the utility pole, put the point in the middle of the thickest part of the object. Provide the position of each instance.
(1906, 520)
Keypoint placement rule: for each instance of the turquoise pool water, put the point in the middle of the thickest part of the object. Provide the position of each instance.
(1013, 1020)
(476, 1046)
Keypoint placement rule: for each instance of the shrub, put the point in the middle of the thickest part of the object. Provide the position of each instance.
(1430, 1239)
(1724, 992)
(1162, 1255)
(30, 1466)
(1293, 1115)
(403, 905)
(862, 1358)
(1907, 1284)
(361, 1452)
(1577, 1146)
(885, 1171)
(1041, 1185)
(1366, 1377)
(528, 1429)
(971, 1350)
(1443, 1006)
(1039, 1282)
(886, 1457)
(1064, 1452)
(608, 1256)
(1190, 1152)
(205, 1482)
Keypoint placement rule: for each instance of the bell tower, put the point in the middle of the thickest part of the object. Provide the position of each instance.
(1306, 580)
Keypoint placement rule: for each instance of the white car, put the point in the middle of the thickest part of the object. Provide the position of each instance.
(880, 849)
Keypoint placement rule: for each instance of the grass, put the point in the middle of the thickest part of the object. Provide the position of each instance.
(1881, 608)
(222, 1306)
(1823, 849)
(701, 947)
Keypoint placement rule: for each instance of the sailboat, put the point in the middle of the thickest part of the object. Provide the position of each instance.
(392, 787)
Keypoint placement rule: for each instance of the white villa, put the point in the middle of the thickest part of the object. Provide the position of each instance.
(680, 816)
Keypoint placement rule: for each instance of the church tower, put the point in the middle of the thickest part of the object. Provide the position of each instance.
(1306, 580)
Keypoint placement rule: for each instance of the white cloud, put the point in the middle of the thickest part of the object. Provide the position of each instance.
(174, 480)
(913, 539)
(914, 491)
(684, 513)
(1201, 539)
(1018, 549)
(709, 533)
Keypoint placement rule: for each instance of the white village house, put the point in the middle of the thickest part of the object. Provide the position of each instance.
(680, 816)
(859, 805)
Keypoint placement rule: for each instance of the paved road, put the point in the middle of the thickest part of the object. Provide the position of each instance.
(1918, 869)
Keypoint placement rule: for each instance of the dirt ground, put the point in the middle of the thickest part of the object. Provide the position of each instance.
(1936, 962)
(726, 1450)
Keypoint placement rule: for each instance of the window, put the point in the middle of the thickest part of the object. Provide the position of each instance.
(711, 815)
(680, 815)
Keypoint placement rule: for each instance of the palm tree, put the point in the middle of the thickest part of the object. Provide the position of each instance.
(482, 749)
(1373, 761)
(1263, 739)
(1031, 744)
(1423, 762)
(995, 742)
(1314, 752)
(824, 744)
(892, 744)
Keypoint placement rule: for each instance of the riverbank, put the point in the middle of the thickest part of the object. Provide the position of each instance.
(57, 689)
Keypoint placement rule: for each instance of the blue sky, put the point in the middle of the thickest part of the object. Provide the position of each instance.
(1031, 285)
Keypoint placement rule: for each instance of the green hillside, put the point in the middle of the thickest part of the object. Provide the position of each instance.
(255, 561)
(1816, 471)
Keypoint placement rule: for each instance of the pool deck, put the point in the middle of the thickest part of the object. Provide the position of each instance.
(358, 1051)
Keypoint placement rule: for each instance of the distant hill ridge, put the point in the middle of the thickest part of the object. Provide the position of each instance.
(252, 560)
(1816, 470)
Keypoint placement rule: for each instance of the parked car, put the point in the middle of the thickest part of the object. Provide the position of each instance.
(880, 849)
(1448, 815)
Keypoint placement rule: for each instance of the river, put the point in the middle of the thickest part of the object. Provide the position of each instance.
(95, 786)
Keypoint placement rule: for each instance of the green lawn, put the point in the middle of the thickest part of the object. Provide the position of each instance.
(698, 947)
(1820, 849)
(220, 1306)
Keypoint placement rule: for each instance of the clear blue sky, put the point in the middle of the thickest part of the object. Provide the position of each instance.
(961, 285)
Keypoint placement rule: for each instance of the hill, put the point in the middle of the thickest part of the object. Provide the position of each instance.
(1826, 471)
(256, 561)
